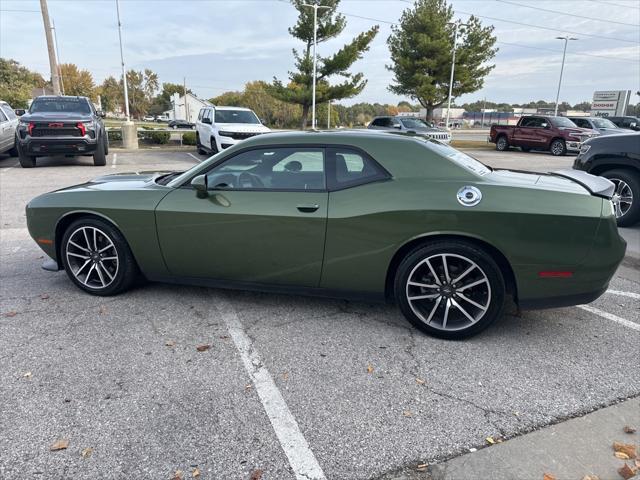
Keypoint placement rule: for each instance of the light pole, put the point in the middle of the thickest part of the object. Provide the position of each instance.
(124, 73)
(564, 54)
(329, 115)
(453, 65)
(315, 7)
(55, 37)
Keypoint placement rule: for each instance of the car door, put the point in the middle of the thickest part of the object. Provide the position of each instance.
(263, 220)
(201, 127)
(6, 132)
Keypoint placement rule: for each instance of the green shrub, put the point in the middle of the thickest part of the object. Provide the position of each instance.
(114, 135)
(161, 138)
(189, 138)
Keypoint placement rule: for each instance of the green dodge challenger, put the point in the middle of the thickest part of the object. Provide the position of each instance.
(344, 214)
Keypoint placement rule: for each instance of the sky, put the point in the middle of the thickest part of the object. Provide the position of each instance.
(219, 45)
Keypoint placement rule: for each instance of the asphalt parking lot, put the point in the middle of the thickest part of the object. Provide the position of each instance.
(290, 386)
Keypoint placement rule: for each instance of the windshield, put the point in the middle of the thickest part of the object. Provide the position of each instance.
(562, 122)
(61, 104)
(236, 116)
(457, 157)
(604, 123)
(414, 123)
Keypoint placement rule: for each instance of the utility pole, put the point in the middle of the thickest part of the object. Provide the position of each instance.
(329, 115)
(453, 65)
(186, 105)
(55, 36)
(315, 7)
(124, 74)
(53, 64)
(564, 54)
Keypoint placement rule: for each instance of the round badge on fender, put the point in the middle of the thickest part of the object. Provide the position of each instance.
(469, 196)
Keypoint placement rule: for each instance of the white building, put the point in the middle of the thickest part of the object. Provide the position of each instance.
(189, 112)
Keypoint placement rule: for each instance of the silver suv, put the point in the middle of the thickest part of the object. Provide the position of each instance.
(8, 125)
(410, 125)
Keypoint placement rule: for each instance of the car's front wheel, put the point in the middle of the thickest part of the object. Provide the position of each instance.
(626, 198)
(450, 289)
(199, 147)
(97, 258)
(558, 148)
(26, 161)
(214, 146)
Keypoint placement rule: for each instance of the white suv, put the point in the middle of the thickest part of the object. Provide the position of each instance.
(218, 128)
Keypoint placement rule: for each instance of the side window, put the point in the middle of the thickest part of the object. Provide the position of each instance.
(527, 122)
(3, 117)
(582, 123)
(10, 114)
(296, 168)
(200, 114)
(378, 122)
(348, 168)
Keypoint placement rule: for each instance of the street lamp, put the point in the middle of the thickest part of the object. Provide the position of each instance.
(124, 74)
(315, 7)
(564, 53)
(453, 64)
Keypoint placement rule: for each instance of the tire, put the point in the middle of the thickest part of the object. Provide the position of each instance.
(428, 314)
(117, 261)
(99, 156)
(558, 148)
(502, 144)
(214, 146)
(106, 143)
(525, 149)
(26, 161)
(628, 189)
(199, 148)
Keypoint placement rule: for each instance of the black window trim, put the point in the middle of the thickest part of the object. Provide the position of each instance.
(386, 176)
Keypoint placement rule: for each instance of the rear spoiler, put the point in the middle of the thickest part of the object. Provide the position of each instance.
(597, 186)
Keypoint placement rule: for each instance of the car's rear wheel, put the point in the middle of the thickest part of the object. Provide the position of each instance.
(450, 289)
(558, 148)
(97, 258)
(626, 198)
(100, 156)
(502, 143)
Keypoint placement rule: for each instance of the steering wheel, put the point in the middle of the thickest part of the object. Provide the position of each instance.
(249, 180)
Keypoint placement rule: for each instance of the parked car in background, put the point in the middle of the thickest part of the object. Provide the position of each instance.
(8, 126)
(616, 157)
(162, 118)
(558, 135)
(601, 124)
(410, 125)
(61, 125)
(218, 128)
(181, 124)
(630, 123)
(148, 118)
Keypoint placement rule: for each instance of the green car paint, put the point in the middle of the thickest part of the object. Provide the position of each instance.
(350, 245)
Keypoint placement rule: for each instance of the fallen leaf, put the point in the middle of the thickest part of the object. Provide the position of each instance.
(590, 477)
(178, 475)
(102, 310)
(86, 452)
(256, 474)
(203, 348)
(628, 429)
(285, 376)
(627, 448)
(224, 337)
(420, 381)
(248, 386)
(369, 368)
(12, 313)
(627, 472)
(422, 467)
(27, 375)
(407, 413)
(169, 343)
(548, 476)
(44, 296)
(490, 440)
(59, 445)
(621, 455)
(195, 473)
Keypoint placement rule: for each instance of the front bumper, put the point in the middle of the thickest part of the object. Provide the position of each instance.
(51, 145)
(573, 146)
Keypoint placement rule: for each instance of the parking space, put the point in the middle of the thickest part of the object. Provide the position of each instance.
(293, 387)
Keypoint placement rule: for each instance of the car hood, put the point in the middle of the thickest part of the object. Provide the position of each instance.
(611, 131)
(56, 117)
(243, 127)
(119, 181)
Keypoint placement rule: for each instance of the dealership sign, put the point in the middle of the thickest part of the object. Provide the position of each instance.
(610, 103)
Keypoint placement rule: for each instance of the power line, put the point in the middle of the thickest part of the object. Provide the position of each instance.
(615, 4)
(567, 14)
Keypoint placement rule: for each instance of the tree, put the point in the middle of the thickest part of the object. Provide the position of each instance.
(141, 88)
(583, 106)
(111, 94)
(17, 82)
(330, 25)
(77, 82)
(421, 52)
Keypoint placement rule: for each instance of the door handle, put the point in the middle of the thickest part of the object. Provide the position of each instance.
(308, 208)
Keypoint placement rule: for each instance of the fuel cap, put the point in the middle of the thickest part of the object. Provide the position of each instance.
(469, 196)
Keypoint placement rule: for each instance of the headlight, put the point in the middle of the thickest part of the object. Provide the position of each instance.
(584, 149)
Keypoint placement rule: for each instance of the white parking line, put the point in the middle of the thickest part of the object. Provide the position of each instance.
(114, 160)
(625, 294)
(611, 316)
(301, 458)
(194, 157)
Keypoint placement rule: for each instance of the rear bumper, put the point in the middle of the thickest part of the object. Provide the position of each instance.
(562, 301)
(69, 145)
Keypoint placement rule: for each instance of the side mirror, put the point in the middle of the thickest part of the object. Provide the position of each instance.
(206, 120)
(199, 184)
(633, 124)
(101, 114)
(19, 111)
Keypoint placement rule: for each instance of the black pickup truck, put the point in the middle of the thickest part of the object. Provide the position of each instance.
(61, 125)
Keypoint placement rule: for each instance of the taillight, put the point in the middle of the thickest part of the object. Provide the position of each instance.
(82, 128)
